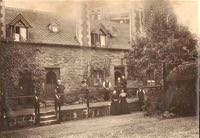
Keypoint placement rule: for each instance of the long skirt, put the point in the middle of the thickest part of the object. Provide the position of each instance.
(124, 107)
(115, 108)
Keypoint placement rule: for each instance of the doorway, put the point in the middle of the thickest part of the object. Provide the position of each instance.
(26, 86)
(119, 72)
(52, 75)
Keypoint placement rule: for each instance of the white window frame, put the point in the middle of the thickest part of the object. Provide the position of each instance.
(18, 36)
(102, 40)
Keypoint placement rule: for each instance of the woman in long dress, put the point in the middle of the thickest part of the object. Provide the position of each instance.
(115, 107)
(123, 103)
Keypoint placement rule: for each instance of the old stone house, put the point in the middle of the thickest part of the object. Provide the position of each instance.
(69, 50)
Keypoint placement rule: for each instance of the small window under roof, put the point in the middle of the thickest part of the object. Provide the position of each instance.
(54, 27)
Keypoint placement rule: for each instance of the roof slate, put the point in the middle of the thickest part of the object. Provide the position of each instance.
(40, 33)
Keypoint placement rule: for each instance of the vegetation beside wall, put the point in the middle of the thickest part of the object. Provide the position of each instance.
(15, 59)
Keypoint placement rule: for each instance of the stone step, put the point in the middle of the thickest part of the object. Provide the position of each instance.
(45, 113)
(48, 117)
(49, 122)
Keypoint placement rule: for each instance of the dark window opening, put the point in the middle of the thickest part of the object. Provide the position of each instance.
(17, 30)
(150, 75)
(117, 75)
(98, 39)
(98, 76)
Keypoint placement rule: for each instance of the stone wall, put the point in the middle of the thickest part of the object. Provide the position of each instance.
(75, 62)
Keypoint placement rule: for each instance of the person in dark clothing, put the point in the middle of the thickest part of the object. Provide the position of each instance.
(107, 87)
(85, 90)
(118, 85)
(37, 108)
(141, 95)
(124, 83)
(59, 97)
(37, 92)
(60, 91)
(123, 102)
(115, 107)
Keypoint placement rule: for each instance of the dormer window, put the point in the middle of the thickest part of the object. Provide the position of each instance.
(20, 34)
(53, 27)
(98, 39)
(18, 29)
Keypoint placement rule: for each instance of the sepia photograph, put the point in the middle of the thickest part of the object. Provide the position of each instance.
(99, 68)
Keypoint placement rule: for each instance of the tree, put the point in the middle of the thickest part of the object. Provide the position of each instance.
(165, 41)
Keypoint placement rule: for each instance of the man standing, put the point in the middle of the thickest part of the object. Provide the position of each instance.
(124, 83)
(85, 90)
(140, 95)
(107, 87)
(59, 91)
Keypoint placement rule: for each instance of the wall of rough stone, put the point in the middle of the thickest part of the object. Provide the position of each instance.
(75, 61)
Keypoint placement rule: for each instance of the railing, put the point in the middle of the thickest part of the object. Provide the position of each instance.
(131, 92)
(4, 112)
(58, 103)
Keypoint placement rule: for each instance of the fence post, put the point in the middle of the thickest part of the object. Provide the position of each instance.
(164, 86)
(59, 108)
(37, 111)
(88, 103)
(2, 112)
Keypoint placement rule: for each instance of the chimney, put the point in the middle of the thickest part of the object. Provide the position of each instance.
(83, 26)
(2, 20)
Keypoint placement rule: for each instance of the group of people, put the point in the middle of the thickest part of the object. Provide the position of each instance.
(121, 83)
(118, 96)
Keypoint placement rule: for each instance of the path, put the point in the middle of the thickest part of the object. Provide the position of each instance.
(133, 125)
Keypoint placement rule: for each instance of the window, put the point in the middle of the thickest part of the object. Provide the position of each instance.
(23, 33)
(20, 33)
(103, 40)
(18, 28)
(98, 76)
(150, 74)
(54, 27)
(98, 39)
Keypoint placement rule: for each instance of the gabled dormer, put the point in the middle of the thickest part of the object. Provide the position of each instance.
(18, 29)
(99, 36)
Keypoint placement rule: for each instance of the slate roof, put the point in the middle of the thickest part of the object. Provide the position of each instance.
(122, 33)
(40, 33)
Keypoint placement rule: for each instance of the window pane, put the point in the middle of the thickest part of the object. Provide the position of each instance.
(103, 40)
(17, 30)
(96, 37)
(98, 77)
(23, 33)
